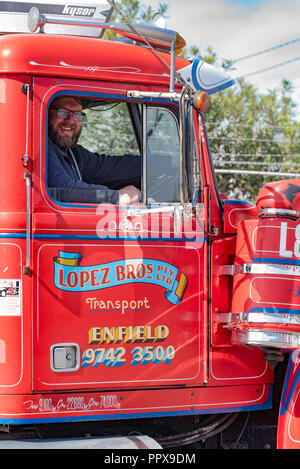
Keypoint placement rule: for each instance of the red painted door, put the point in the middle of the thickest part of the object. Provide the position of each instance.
(118, 290)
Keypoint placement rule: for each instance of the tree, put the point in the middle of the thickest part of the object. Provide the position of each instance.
(254, 138)
(133, 11)
(110, 122)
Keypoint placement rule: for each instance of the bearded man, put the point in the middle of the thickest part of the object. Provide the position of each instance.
(78, 175)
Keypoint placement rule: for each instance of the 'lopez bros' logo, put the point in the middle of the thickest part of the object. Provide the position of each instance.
(70, 276)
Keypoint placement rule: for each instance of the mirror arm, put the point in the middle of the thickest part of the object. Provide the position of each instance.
(144, 157)
(172, 68)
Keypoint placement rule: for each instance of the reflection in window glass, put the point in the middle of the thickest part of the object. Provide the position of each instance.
(163, 156)
(109, 129)
(107, 157)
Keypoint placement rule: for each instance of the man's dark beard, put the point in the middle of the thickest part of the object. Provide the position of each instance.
(63, 142)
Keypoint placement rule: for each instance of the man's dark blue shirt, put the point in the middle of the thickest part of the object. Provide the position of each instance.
(96, 177)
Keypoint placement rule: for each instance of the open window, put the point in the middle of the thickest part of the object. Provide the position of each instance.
(105, 158)
(146, 133)
(111, 128)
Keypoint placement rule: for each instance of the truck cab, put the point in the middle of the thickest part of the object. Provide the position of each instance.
(175, 307)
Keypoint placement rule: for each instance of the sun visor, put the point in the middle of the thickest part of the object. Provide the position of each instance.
(14, 15)
(204, 77)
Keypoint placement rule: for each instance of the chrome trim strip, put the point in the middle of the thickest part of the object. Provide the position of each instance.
(279, 212)
(276, 269)
(266, 338)
(273, 318)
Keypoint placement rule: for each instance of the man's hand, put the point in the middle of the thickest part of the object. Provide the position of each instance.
(129, 195)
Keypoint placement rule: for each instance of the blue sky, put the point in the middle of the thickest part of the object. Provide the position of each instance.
(249, 3)
(236, 28)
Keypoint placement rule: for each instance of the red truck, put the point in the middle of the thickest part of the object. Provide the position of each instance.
(172, 322)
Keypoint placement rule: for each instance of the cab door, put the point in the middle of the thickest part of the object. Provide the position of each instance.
(119, 290)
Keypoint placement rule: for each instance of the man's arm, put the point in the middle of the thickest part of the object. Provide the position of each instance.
(114, 172)
(67, 188)
(64, 184)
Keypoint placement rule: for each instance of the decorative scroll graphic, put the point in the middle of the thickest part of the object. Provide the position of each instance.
(69, 275)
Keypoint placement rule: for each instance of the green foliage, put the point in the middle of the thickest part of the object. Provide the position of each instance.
(249, 132)
(133, 11)
(254, 133)
(109, 130)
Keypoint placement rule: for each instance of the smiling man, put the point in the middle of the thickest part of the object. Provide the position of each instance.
(78, 175)
(65, 122)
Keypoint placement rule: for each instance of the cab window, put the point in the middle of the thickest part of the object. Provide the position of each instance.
(163, 156)
(116, 129)
(109, 129)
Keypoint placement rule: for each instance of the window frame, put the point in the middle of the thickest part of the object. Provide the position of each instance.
(164, 104)
(145, 108)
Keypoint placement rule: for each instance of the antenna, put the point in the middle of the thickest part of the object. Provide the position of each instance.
(159, 20)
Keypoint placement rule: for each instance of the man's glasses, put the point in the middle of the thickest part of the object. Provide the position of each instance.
(65, 114)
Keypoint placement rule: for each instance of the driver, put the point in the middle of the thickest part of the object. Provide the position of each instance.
(78, 175)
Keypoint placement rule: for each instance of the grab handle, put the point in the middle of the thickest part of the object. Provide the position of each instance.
(26, 269)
